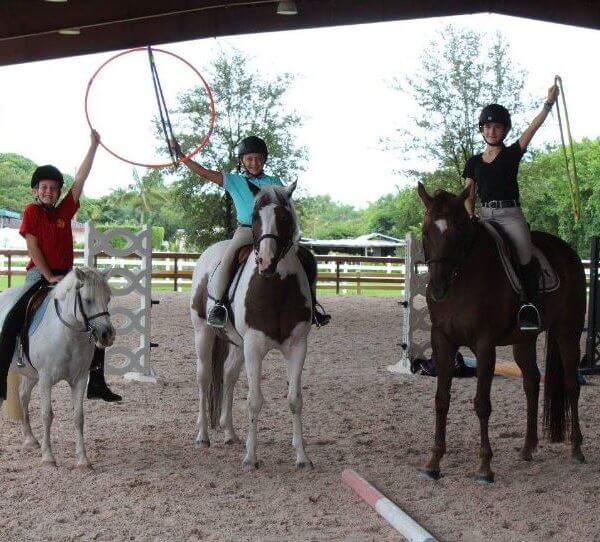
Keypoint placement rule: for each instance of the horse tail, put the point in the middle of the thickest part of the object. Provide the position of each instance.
(556, 413)
(215, 390)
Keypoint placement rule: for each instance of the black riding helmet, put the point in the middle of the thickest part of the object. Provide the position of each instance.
(252, 144)
(495, 113)
(49, 173)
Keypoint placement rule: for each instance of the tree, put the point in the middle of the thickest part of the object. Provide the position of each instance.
(145, 194)
(323, 218)
(546, 197)
(246, 103)
(459, 75)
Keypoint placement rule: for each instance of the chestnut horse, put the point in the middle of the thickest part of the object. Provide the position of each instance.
(471, 303)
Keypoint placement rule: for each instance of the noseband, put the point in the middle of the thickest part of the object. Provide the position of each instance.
(282, 247)
(78, 303)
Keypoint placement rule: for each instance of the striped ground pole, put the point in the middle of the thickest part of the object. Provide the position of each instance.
(398, 519)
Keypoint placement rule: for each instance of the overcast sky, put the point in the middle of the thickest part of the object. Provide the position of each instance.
(341, 91)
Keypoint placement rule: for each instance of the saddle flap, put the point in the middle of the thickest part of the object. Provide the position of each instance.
(36, 307)
(548, 280)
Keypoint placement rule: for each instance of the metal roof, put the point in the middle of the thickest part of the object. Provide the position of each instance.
(30, 29)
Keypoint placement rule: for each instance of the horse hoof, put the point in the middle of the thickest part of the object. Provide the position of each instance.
(84, 467)
(429, 473)
(305, 465)
(485, 479)
(202, 444)
(526, 455)
(249, 466)
(49, 463)
(578, 457)
(31, 445)
(231, 441)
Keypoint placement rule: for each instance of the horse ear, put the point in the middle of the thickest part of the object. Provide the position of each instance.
(105, 272)
(289, 190)
(80, 276)
(253, 188)
(425, 197)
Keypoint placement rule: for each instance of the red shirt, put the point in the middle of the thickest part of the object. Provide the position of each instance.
(53, 231)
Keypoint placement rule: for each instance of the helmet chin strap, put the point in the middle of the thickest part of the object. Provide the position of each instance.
(499, 144)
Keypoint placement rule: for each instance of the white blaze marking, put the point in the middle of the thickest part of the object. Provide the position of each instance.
(442, 224)
(269, 225)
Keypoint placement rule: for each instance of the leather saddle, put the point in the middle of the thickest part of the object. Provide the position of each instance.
(548, 280)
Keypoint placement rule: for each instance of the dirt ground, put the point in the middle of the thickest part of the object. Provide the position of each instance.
(150, 483)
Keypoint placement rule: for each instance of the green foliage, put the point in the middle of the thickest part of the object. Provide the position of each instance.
(461, 71)
(246, 104)
(15, 181)
(546, 197)
(322, 218)
(158, 236)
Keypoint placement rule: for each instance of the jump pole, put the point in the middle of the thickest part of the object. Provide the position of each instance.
(398, 519)
(12, 406)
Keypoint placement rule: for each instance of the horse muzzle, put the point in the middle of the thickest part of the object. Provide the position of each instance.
(104, 335)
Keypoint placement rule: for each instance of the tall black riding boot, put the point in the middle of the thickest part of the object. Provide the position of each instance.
(97, 387)
(529, 316)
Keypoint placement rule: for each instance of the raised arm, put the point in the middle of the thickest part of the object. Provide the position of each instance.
(539, 119)
(208, 174)
(85, 167)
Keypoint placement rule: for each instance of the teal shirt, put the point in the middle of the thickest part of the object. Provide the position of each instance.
(243, 199)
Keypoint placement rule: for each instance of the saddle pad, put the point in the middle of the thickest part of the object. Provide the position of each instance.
(39, 314)
(549, 280)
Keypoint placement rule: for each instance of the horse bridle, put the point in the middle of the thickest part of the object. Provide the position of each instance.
(455, 262)
(282, 248)
(78, 303)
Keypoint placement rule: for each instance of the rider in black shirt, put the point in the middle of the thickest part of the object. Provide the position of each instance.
(494, 174)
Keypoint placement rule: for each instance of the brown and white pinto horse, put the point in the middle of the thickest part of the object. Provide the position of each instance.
(271, 309)
(471, 303)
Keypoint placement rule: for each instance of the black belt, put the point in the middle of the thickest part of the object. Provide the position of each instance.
(240, 225)
(500, 203)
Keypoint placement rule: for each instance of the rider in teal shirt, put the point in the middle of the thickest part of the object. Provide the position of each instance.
(236, 184)
(252, 154)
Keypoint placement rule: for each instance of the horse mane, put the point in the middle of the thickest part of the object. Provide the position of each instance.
(94, 280)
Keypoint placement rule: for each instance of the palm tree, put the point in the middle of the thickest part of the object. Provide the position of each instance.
(146, 193)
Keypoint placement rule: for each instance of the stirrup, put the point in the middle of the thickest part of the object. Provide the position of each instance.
(320, 317)
(528, 318)
(21, 357)
(217, 317)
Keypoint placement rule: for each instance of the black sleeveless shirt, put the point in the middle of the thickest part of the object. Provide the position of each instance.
(498, 179)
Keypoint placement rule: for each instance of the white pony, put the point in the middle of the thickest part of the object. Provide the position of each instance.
(271, 309)
(62, 348)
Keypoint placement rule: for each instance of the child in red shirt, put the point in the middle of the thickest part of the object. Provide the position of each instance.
(46, 228)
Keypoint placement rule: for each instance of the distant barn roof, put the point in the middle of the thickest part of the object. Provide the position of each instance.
(29, 29)
(371, 240)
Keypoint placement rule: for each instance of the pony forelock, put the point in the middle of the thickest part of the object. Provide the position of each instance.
(93, 279)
